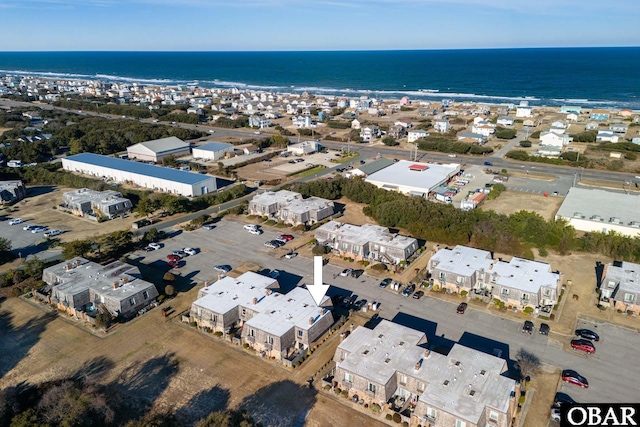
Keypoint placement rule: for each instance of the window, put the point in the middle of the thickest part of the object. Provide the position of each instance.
(432, 413)
(547, 292)
(493, 416)
(403, 379)
(629, 297)
(459, 279)
(345, 246)
(300, 333)
(525, 297)
(383, 249)
(460, 423)
(145, 295)
(132, 301)
(421, 387)
(348, 377)
(443, 276)
(356, 249)
(252, 332)
(270, 340)
(343, 355)
(505, 292)
(214, 317)
(371, 387)
(244, 311)
(199, 311)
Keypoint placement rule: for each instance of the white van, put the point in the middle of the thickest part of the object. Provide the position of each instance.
(14, 163)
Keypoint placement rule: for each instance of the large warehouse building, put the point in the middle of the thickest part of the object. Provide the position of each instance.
(213, 151)
(141, 174)
(158, 149)
(600, 210)
(414, 178)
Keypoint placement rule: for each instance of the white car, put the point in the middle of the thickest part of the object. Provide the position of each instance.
(211, 131)
(451, 155)
(52, 233)
(250, 227)
(257, 132)
(255, 231)
(346, 272)
(16, 221)
(38, 229)
(190, 251)
(30, 227)
(291, 255)
(155, 246)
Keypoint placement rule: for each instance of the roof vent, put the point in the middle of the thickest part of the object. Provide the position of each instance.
(472, 392)
(445, 383)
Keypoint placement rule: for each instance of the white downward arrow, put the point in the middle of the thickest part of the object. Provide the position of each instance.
(318, 289)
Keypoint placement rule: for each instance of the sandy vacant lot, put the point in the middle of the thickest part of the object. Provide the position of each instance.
(510, 202)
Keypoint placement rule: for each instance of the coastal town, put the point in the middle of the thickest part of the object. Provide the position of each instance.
(481, 260)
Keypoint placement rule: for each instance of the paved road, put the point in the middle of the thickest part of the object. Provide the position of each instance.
(611, 371)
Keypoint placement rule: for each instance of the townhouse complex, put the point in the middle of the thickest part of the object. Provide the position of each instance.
(520, 283)
(391, 365)
(96, 204)
(620, 287)
(290, 207)
(366, 242)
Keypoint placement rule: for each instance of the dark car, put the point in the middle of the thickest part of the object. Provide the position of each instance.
(587, 334)
(544, 329)
(385, 282)
(359, 304)
(357, 273)
(583, 345)
(461, 308)
(488, 164)
(527, 327)
(562, 399)
(409, 290)
(277, 243)
(418, 295)
(572, 377)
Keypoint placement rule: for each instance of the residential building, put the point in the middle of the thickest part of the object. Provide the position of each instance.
(415, 134)
(530, 123)
(96, 204)
(619, 128)
(601, 210)
(82, 288)
(366, 242)
(141, 174)
(572, 117)
(414, 178)
(524, 111)
(213, 151)
(260, 122)
(303, 148)
(397, 131)
(559, 127)
(369, 133)
(290, 208)
(607, 136)
(302, 121)
(391, 366)
(442, 126)
(355, 124)
(599, 115)
(250, 149)
(12, 192)
(592, 126)
(554, 139)
(158, 149)
(570, 109)
(620, 287)
(274, 324)
(484, 128)
(505, 121)
(520, 283)
(472, 138)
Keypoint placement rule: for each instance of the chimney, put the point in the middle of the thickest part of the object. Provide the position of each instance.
(77, 263)
(491, 266)
(418, 365)
(116, 285)
(311, 320)
(255, 300)
(68, 267)
(427, 353)
(268, 292)
(125, 280)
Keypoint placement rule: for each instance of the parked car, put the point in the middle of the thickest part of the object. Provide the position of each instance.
(418, 295)
(583, 345)
(462, 307)
(555, 414)
(209, 226)
(544, 329)
(359, 304)
(286, 237)
(587, 334)
(190, 251)
(277, 243)
(357, 273)
(346, 272)
(16, 221)
(572, 377)
(39, 229)
(180, 253)
(291, 255)
(30, 227)
(52, 233)
(255, 231)
(274, 274)
(155, 246)
(527, 327)
(488, 164)
(385, 282)
(408, 290)
(173, 257)
(222, 268)
(561, 399)
(250, 227)
(270, 244)
(175, 264)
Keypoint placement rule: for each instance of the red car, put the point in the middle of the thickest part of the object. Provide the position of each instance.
(583, 345)
(572, 377)
(175, 264)
(286, 237)
(173, 257)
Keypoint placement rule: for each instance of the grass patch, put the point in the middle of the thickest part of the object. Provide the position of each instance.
(308, 172)
(347, 159)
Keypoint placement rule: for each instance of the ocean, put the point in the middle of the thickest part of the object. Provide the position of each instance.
(590, 77)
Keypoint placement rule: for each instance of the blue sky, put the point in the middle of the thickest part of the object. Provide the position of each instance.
(229, 25)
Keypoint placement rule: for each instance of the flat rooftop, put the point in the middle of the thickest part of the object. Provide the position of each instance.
(601, 206)
(280, 197)
(525, 274)
(365, 233)
(300, 206)
(462, 260)
(278, 313)
(404, 174)
(628, 276)
(214, 146)
(139, 168)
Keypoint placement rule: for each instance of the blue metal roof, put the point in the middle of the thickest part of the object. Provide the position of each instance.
(140, 168)
(214, 146)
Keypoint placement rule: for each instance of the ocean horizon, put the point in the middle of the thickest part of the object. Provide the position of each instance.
(593, 77)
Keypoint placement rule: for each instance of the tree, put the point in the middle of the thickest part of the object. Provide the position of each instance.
(33, 267)
(528, 364)
(169, 290)
(5, 244)
(145, 207)
(76, 248)
(526, 143)
(390, 141)
(505, 133)
(103, 318)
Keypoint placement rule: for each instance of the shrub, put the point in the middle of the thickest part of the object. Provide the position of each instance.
(169, 290)
(388, 417)
(631, 156)
(526, 143)
(245, 346)
(379, 267)
(160, 298)
(464, 293)
(405, 424)
(218, 334)
(376, 408)
(345, 394)
(337, 390)
(528, 310)
(320, 250)
(543, 252)
(397, 418)
(193, 324)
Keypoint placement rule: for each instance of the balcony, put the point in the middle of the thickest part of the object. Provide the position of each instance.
(250, 339)
(370, 393)
(348, 385)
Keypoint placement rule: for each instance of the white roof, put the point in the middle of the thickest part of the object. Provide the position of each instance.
(596, 205)
(304, 205)
(281, 197)
(157, 146)
(278, 313)
(525, 275)
(362, 234)
(462, 260)
(228, 293)
(399, 174)
(628, 276)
